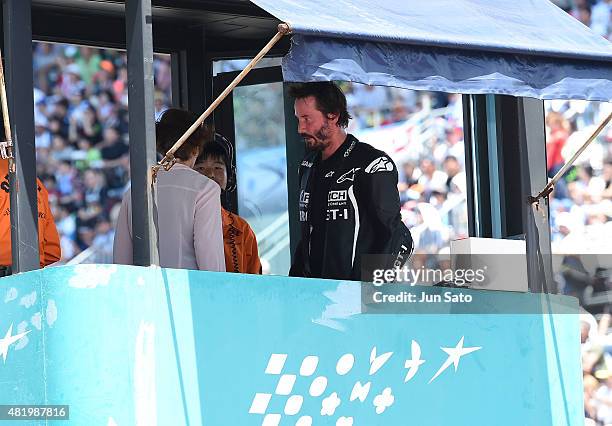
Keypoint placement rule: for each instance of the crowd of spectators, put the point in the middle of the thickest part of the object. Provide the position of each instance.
(596, 351)
(81, 137)
(581, 203)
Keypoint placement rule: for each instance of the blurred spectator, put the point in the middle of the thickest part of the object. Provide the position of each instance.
(88, 61)
(112, 147)
(591, 349)
(575, 276)
(451, 168)
(596, 349)
(42, 137)
(95, 188)
(607, 178)
(105, 235)
(602, 398)
(584, 15)
(594, 339)
(408, 177)
(576, 6)
(453, 145)
(600, 17)
(160, 104)
(590, 406)
(558, 131)
(431, 179)
(595, 14)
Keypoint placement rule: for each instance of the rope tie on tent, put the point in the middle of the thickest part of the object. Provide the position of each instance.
(551, 184)
(169, 160)
(6, 147)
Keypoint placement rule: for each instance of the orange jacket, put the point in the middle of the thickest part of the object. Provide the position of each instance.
(240, 245)
(48, 239)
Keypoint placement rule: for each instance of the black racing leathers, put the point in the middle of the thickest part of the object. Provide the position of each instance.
(349, 207)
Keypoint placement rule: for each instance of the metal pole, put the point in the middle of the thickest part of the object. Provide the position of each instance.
(532, 148)
(138, 22)
(295, 153)
(24, 209)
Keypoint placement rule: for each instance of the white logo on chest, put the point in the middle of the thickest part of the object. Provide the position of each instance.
(350, 175)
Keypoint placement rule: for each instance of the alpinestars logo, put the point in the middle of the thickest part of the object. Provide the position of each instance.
(350, 175)
(381, 164)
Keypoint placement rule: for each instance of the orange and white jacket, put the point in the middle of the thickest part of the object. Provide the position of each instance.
(48, 238)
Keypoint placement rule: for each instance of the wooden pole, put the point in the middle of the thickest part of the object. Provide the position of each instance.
(168, 161)
(8, 144)
(549, 186)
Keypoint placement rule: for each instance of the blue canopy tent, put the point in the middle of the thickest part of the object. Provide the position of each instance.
(523, 48)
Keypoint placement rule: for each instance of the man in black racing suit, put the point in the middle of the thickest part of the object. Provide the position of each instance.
(349, 204)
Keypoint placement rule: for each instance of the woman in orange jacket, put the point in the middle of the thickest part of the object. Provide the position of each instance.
(240, 243)
(48, 238)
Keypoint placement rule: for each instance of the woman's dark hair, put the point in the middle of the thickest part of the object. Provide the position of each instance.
(329, 97)
(214, 151)
(172, 125)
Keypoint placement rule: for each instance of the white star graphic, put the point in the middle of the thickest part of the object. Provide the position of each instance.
(9, 340)
(454, 354)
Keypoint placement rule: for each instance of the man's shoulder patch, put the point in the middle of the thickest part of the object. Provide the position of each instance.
(380, 164)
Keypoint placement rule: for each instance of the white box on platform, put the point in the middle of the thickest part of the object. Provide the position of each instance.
(502, 264)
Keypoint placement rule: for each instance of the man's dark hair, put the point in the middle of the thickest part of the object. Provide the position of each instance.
(172, 125)
(329, 98)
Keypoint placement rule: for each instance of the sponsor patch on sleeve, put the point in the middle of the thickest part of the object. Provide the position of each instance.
(381, 164)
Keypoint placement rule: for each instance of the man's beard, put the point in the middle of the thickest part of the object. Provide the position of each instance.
(319, 141)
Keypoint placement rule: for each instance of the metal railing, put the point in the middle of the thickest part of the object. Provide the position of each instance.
(273, 239)
(93, 254)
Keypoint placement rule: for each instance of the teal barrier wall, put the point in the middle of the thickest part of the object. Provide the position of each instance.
(127, 345)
